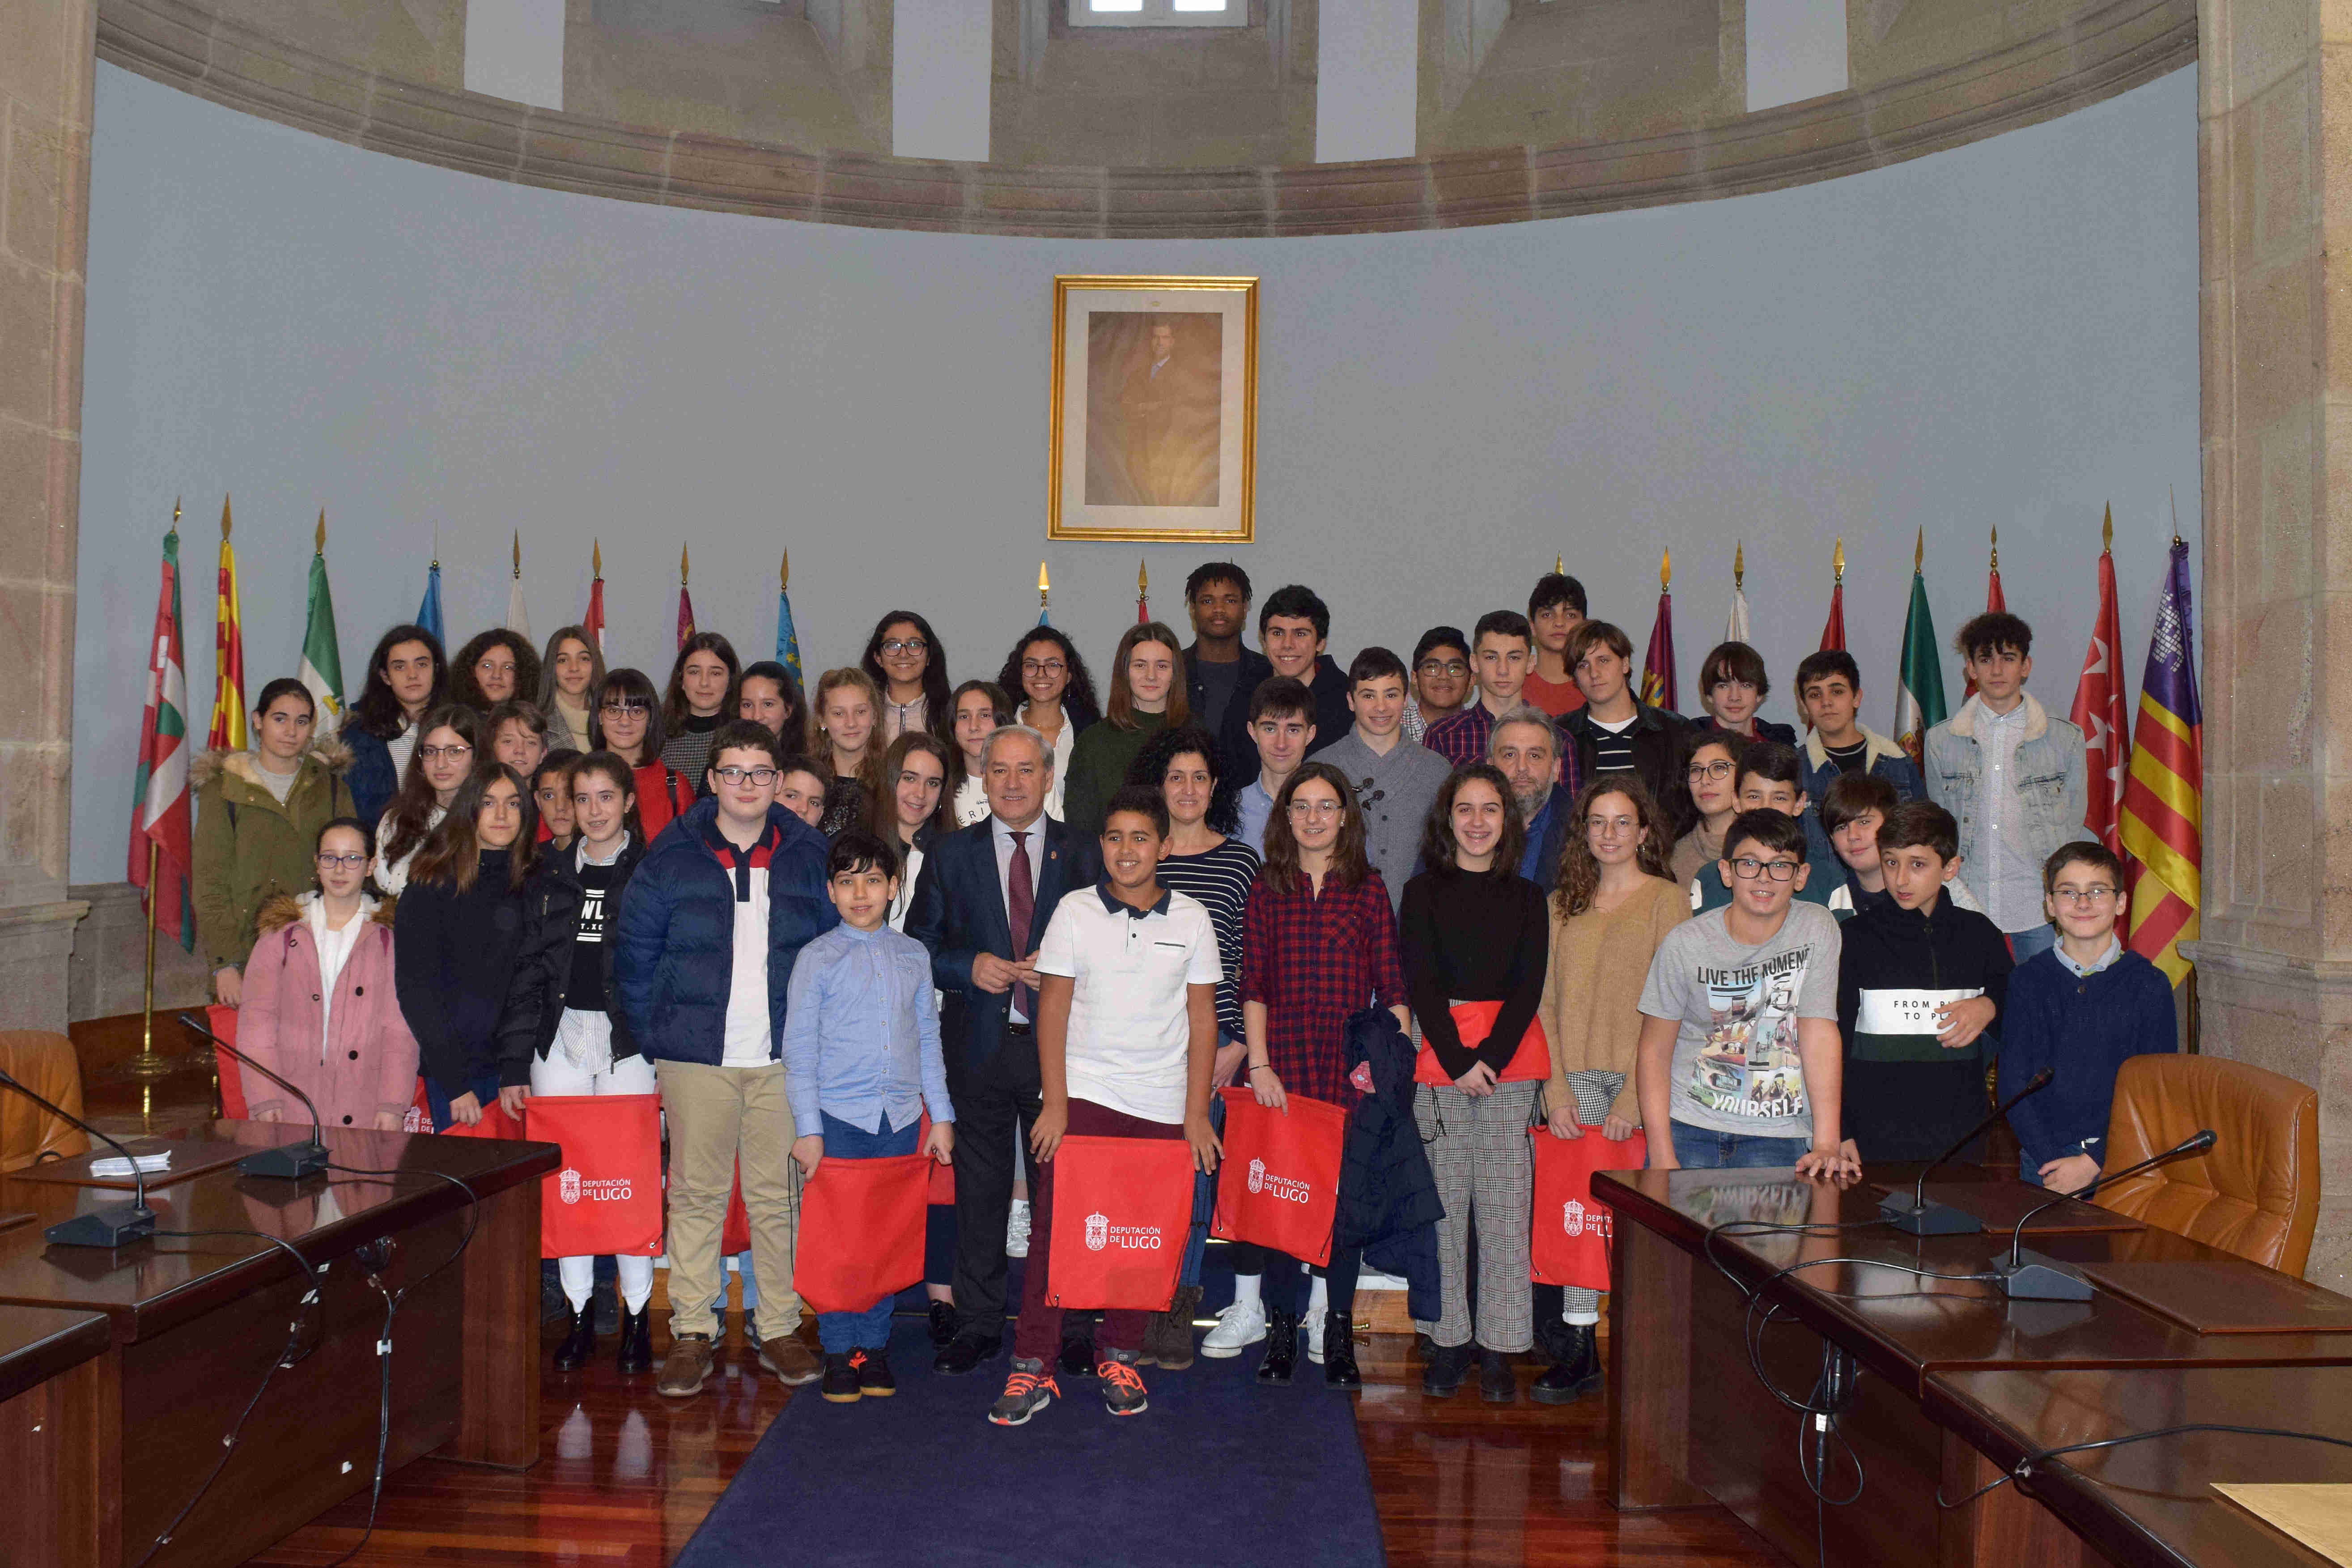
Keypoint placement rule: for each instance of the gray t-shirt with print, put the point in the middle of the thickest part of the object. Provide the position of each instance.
(1736, 1064)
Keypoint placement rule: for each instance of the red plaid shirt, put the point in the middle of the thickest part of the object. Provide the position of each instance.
(1466, 735)
(1313, 961)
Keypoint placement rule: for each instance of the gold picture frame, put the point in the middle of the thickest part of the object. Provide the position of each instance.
(1152, 430)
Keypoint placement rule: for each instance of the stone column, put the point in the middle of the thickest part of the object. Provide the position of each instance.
(48, 57)
(2274, 176)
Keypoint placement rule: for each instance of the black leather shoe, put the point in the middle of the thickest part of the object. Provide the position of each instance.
(1497, 1384)
(1443, 1374)
(1340, 1351)
(1077, 1358)
(1281, 1349)
(965, 1353)
(579, 1346)
(637, 1339)
(943, 1324)
(1577, 1374)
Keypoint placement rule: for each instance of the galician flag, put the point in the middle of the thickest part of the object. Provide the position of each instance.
(2163, 811)
(159, 803)
(518, 618)
(322, 659)
(788, 638)
(227, 730)
(1920, 694)
(428, 613)
(1658, 660)
(2099, 710)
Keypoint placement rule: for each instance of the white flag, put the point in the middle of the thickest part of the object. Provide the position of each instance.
(1735, 626)
(518, 618)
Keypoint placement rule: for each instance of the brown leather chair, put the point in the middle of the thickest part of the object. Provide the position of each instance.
(2255, 1192)
(44, 1063)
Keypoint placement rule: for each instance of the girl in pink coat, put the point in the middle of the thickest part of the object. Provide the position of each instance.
(319, 1000)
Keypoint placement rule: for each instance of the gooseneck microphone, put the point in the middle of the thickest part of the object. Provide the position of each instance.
(1912, 1214)
(293, 1161)
(2031, 1277)
(108, 1225)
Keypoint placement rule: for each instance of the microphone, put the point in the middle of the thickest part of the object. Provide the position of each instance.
(1912, 1214)
(292, 1160)
(2031, 1277)
(108, 1225)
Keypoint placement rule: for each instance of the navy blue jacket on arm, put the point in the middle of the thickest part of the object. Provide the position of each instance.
(959, 913)
(373, 779)
(673, 957)
(2082, 1027)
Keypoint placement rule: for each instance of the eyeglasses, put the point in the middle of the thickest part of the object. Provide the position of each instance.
(1750, 868)
(1443, 667)
(1314, 808)
(625, 705)
(1044, 666)
(761, 777)
(1713, 773)
(438, 754)
(1610, 824)
(352, 861)
(2097, 894)
(906, 644)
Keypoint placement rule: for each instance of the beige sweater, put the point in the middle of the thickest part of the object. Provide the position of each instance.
(1592, 989)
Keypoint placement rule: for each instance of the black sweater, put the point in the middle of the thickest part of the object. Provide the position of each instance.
(453, 956)
(1474, 936)
(537, 993)
(1907, 1097)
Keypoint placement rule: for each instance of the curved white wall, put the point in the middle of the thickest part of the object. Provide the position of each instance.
(2004, 334)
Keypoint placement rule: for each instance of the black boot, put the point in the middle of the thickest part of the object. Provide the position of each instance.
(1577, 1374)
(1281, 1348)
(637, 1339)
(579, 1346)
(1442, 1374)
(1497, 1384)
(1340, 1351)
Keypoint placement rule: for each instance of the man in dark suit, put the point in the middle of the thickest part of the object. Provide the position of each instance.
(981, 905)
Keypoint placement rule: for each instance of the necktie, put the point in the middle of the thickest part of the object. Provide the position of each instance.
(1020, 909)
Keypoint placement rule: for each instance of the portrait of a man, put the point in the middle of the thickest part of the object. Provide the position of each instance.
(1154, 390)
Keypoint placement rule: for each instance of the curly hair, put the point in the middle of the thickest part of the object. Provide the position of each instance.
(464, 687)
(1151, 766)
(1437, 846)
(1579, 873)
(1080, 707)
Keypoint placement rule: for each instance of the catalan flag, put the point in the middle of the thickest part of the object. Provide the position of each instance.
(160, 858)
(227, 732)
(1658, 661)
(2163, 815)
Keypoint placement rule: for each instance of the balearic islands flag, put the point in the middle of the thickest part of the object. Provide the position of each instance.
(1919, 690)
(322, 657)
(2163, 812)
(2100, 711)
(158, 803)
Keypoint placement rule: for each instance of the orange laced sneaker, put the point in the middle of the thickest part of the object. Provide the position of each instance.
(1122, 1385)
(1026, 1392)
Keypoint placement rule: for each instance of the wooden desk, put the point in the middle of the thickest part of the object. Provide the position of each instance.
(53, 1392)
(194, 1322)
(1691, 1424)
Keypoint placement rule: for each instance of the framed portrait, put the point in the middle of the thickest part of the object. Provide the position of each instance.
(1155, 409)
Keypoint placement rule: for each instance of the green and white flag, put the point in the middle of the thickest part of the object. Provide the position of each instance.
(1919, 690)
(322, 659)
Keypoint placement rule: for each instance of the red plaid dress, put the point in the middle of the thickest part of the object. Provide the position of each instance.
(1313, 961)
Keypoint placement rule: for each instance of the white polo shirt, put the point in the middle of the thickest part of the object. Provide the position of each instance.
(1129, 1028)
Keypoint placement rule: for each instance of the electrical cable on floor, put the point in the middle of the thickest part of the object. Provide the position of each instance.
(2023, 1469)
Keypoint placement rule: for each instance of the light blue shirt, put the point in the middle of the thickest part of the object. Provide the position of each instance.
(1258, 810)
(862, 1033)
(2084, 971)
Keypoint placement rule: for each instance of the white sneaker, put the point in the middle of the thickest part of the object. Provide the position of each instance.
(1237, 1325)
(1310, 1335)
(1016, 1230)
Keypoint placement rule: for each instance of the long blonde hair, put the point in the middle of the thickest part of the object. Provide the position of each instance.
(869, 764)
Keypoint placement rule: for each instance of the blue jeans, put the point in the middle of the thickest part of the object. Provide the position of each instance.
(1204, 1204)
(2033, 943)
(1704, 1149)
(485, 1089)
(840, 1332)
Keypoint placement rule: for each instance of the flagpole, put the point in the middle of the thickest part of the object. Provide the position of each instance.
(147, 1063)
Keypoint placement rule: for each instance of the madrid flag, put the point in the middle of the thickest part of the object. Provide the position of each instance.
(2099, 711)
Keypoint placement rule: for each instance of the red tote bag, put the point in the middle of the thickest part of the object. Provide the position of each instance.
(222, 1021)
(607, 1197)
(942, 1176)
(495, 1123)
(861, 1232)
(1474, 1021)
(735, 1230)
(1122, 1212)
(1570, 1240)
(1279, 1184)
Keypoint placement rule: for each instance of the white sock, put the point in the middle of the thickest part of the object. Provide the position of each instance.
(1584, 1319)
(1246, 1288)
(1319, 1295)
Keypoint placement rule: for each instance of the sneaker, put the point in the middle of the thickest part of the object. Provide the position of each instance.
(1310, 1335)
(1016, 1230)
(1122, 1386)
(873, 1379)
(686, 1367)
(789, 1357)
(840, 1386)
(1168, 1336)
(1026, 1392)
(1237, 1326)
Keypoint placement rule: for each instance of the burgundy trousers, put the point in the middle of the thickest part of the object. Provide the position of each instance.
(1039, 1335)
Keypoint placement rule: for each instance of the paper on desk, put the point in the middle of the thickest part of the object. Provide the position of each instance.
(2318, 1514)
(114, 1167)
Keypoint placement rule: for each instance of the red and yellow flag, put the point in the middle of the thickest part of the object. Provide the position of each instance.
(2100, 711)
(2163, 816)
(1658, 660)
(228, 729)
(685, 605)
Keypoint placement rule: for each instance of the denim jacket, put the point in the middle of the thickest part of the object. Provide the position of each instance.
(2052, 783)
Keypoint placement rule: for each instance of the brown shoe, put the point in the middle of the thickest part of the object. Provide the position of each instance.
(686, 1367)
(789, 1357)
(1168, 1337)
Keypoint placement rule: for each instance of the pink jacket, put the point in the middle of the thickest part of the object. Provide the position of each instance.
(369, 1065)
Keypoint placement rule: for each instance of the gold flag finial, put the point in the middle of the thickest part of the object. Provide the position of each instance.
(1919, 548)
(1740, 566)
(1837, 560)
(1142, 582)
(1996, 550)
(784, 572)
(225, 519)
(596, 559)
(322, 535)
(1666, 572)
(1042, 583)
(517, 555)
(2108, 531)
(1560, 565)
(2174, 502)
(681, 565)
(175, 517)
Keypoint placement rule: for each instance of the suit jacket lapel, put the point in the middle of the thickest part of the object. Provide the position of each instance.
(998, 928)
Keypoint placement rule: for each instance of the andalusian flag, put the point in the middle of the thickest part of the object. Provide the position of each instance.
(159, 801)
(788, 638)
(227, 730)
(428, 613)
(322, 657)
(2163, 813)
(1658, 662)
(1919, 695)
(2100, 711)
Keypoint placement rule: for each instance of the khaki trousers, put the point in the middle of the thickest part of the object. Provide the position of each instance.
(715, 1115)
